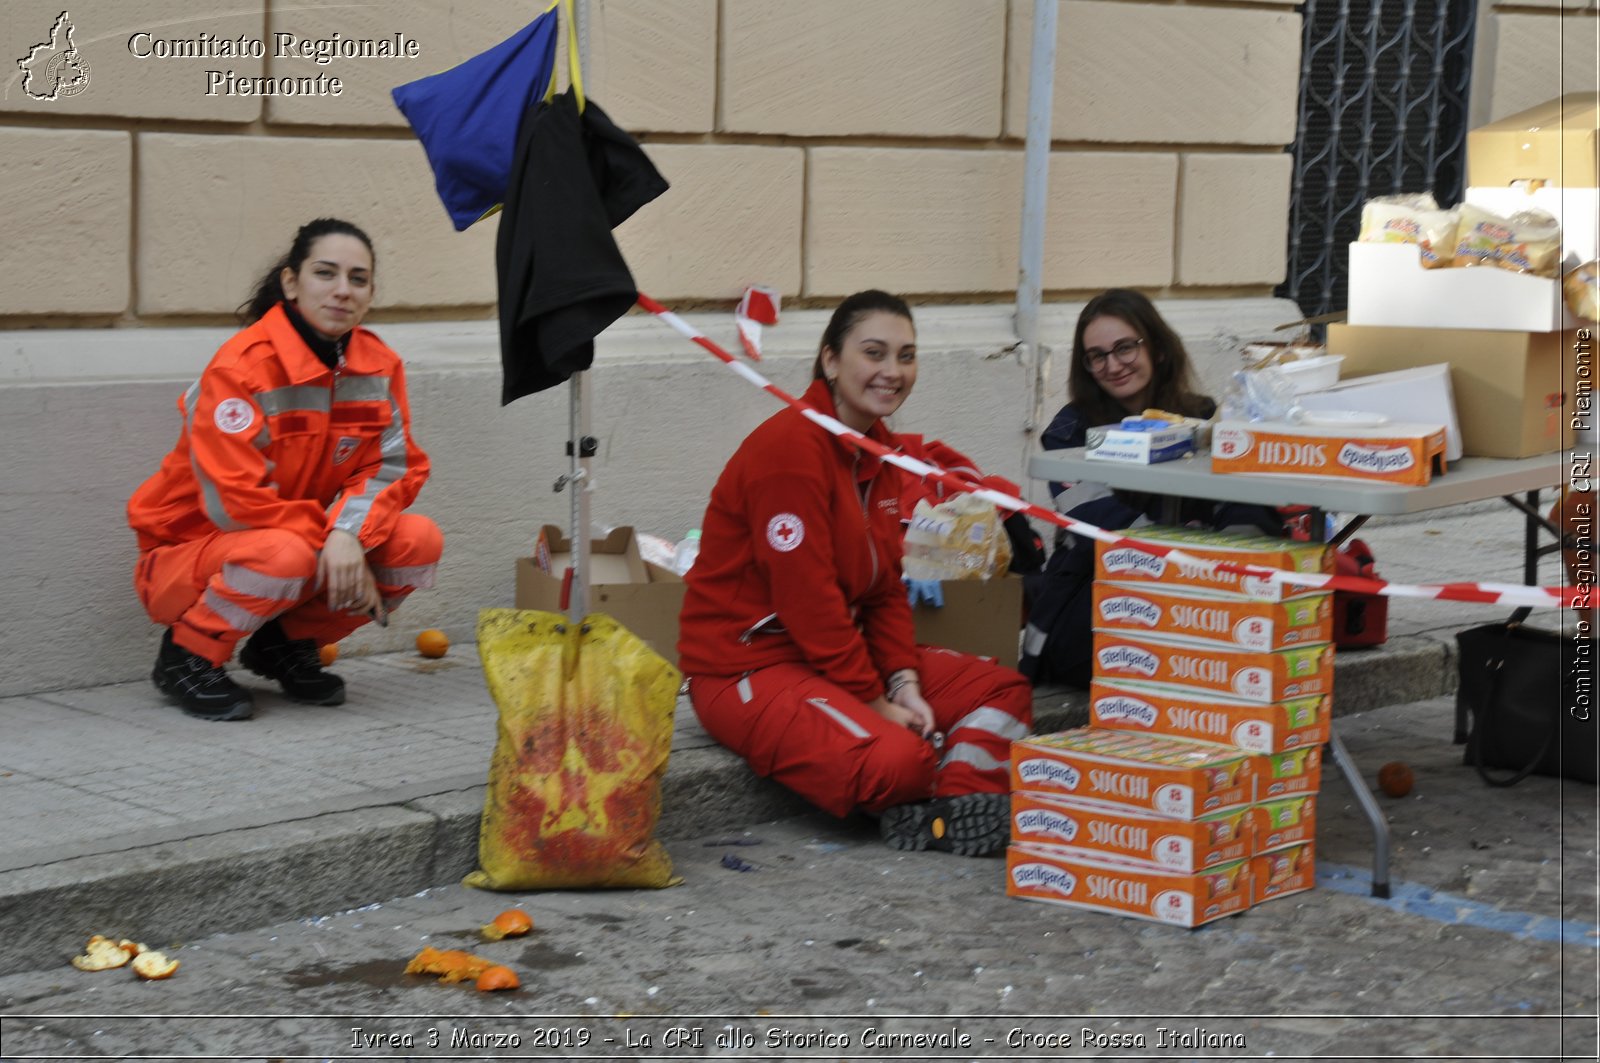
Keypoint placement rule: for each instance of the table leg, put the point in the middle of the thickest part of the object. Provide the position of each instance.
(1369, 807)
(1530, 541)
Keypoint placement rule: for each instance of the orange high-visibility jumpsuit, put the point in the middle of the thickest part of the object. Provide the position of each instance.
(276, 451)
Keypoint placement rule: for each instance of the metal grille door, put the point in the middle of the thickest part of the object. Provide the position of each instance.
(1383, 109)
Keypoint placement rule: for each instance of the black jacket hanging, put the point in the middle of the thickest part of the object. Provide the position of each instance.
(562, 278)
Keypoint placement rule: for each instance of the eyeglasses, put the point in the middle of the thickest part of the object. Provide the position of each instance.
(1094, 359)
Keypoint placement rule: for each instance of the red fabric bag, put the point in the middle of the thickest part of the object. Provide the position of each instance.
(1358, 619)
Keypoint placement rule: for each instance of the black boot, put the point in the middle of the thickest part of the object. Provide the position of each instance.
(198, 687)
(294, 663)
(967, 824)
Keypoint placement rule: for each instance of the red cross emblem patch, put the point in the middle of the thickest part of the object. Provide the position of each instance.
(785, 532)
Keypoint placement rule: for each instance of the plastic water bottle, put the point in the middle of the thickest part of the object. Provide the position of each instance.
(688, 549)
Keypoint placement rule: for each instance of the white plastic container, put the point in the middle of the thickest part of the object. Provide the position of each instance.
(1312, 374)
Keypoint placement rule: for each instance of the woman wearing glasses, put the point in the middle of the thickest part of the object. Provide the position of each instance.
(1125, 359)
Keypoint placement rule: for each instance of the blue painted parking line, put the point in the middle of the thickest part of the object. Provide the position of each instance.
(1447, 908)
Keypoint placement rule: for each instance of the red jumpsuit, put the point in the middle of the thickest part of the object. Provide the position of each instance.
(276, 451)
(795, 615)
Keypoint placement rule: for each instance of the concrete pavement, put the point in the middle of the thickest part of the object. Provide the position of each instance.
(123, 812)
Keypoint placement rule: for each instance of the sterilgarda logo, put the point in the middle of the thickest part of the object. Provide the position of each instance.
(1045, 877)
(1119, 658)
(1376, 461)
(55, 69)
(1048, 772)
(1120, 709)
(1131, 609)
(1044, 821)
(1128, 559)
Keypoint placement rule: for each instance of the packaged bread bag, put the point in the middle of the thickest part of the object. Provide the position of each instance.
(1413, 218)
(1529, 241)
(1581, 287)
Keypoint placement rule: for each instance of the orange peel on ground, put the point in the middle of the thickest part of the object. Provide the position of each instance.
(102, 954)
(154, 966)
(498, 977)
(451, 965)
(513, 922)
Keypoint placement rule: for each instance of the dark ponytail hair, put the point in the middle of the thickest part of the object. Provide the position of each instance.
(270, 288)
(848, 315)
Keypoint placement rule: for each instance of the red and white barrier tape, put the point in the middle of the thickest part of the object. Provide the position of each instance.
(1515, 594)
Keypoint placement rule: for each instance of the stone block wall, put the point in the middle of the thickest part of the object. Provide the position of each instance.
(1530, 51)
(817, 147)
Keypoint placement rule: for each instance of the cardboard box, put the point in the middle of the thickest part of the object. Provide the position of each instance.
(1388, 286)
(1209, 616)
(1555, 142)
(1509, 387)
(1038, 874)
(980, 617)
(1421, 394)
(1150, 709)
(1088, 828)
(1283, 872)
(1129, 564)
(642, 597)
(1166, 776)
(1396, 453)
(1139, 442)
(1296, 771)
(1249, 675)
(1278, 824)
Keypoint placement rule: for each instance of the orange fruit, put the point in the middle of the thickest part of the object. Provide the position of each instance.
(433, 643)
(513, 922)
(497, 978)
(1395, 779)
(328, 653)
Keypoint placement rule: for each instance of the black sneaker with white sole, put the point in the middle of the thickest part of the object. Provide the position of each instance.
(198, 687)
(967, 825)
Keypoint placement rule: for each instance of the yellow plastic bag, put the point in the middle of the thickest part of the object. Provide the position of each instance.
(585, 731)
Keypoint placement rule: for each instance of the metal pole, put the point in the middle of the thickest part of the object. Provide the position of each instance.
(1035, 193)
(580, 443)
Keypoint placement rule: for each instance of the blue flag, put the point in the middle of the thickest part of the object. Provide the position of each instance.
(467, 117)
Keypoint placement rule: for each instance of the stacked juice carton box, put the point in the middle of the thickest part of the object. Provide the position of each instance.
(1192, 794)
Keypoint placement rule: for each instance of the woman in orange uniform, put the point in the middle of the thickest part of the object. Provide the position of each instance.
(280, 513)
(796, 631)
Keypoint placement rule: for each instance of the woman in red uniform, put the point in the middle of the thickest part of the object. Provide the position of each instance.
(796, 632)
(280, 514)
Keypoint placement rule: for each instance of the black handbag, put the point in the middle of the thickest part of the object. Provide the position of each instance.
(1530, 696)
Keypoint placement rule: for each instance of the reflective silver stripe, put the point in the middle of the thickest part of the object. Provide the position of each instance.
(210, 497)
(996, 722)
(417, 577)
(361, 389)
(967, 753)
(746, 692)
(259, 585)
(234, 615)
(393, 449)
(263, 438)
(1033, 641)
(301, 398)
(843, 721)
(758, 625)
